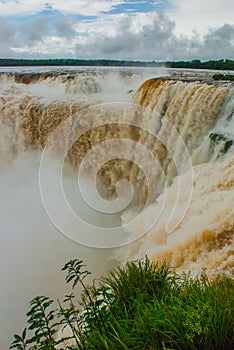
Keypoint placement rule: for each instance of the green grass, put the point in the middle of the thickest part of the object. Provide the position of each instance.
(145, 305)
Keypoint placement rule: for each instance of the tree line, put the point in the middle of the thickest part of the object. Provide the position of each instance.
(223, 64)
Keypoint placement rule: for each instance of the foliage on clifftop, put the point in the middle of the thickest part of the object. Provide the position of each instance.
(142, 305)
(229, 77)
(193, 64)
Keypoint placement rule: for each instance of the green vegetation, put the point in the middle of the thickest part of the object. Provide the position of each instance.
(226, 141)
(197, 64)
(142, 305)
(194, 64)
(223, 77)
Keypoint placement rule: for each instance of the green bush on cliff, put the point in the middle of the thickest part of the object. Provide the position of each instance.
(229, 77)
(142, 305)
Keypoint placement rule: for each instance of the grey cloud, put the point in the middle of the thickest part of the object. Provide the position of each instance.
(220, 42)
(156, 41)
(7, 37)
(64, 27)
(6, 31)
(34, 30)
(159, 42)
(24, 36)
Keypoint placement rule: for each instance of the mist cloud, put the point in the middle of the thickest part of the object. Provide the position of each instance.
(32, 249)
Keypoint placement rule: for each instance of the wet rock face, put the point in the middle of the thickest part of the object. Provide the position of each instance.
(224, 140)
(89, 86)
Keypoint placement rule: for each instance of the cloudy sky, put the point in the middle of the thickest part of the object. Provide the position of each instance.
(119, 29)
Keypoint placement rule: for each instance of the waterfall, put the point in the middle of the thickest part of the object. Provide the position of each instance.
(202, 114)
(171, 139)
(191, 108)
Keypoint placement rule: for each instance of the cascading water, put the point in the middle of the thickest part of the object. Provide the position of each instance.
(203, 116)
(187, 126)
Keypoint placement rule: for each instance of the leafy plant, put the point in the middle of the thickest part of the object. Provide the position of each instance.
(20, 342)
(40, 320)
(140, 306)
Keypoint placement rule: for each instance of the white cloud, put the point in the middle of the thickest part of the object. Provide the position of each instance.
(84, 7)
(199, 15)
(21, 7)
(78, 7)
(152, 35)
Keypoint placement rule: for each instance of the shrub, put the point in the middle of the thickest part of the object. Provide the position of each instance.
(223, 77)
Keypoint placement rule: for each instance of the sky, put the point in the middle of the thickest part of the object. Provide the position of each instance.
(117, 29)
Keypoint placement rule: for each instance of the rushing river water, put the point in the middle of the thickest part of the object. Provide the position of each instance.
(168, 133)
